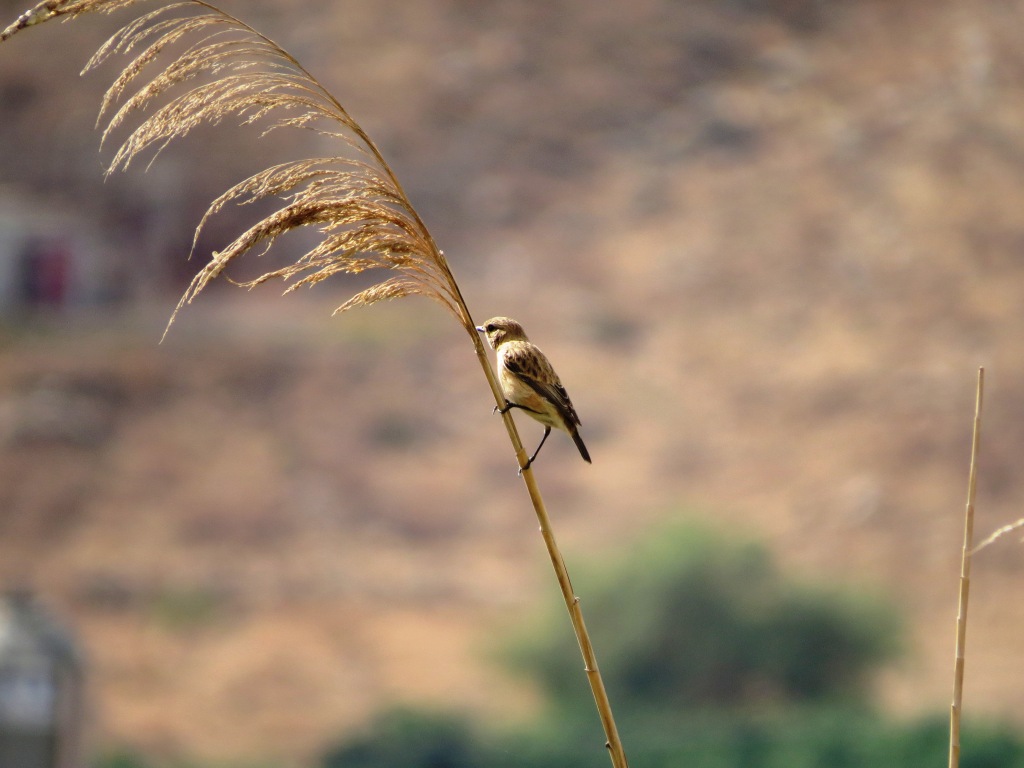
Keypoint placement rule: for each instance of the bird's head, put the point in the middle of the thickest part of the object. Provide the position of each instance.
(498, 330)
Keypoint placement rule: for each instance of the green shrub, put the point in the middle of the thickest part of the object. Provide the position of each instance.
(410, 739)
(712, 660)
(827, 737)
(121, 759)
(126, 758)
(693, 620)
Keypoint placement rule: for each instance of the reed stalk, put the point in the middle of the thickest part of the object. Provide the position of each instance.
(965, 583)
(572, 602)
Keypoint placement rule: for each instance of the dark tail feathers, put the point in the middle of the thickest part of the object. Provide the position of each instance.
(579, 444)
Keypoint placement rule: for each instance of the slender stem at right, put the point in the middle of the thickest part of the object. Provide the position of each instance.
(965, 584)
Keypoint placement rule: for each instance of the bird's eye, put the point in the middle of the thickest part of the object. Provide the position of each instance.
(490, 328)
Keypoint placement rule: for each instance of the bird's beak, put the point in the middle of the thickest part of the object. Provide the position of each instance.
(480, 328)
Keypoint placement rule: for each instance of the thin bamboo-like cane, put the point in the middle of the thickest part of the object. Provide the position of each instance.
(572, 603)
(965, 585)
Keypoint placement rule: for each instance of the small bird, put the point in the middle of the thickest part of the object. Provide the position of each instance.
(530, 383)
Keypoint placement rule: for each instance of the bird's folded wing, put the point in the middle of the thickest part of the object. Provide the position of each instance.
(535, 371)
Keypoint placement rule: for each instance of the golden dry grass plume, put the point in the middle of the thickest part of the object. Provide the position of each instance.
(224, 68)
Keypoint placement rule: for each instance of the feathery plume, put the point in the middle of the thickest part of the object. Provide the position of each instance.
(224, 68)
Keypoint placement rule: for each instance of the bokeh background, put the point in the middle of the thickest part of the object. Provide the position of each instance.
(767, 244)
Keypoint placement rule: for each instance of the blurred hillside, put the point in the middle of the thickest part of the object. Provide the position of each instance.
(766, 242)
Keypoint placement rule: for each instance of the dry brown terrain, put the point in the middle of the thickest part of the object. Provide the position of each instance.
(767, 245)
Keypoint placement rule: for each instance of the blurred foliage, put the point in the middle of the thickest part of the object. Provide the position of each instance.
(697, 620)
(813, 738)
(829, 737)
(712, 660)
(129, 758)
(121, 759)
(411, 739)
(180, 609)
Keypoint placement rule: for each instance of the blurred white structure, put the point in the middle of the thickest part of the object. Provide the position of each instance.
(41, 701)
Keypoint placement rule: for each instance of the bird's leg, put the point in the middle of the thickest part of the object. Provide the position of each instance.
(509, 405)
(547, 431)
